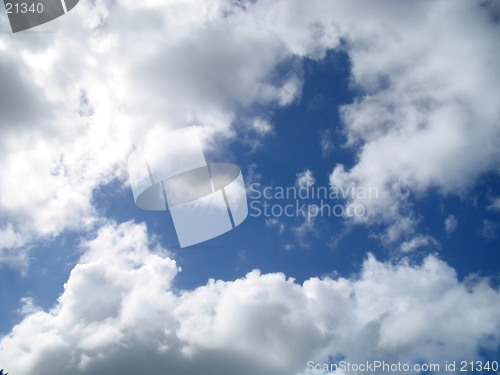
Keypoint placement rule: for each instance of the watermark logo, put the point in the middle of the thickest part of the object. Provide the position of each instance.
(204, 199)
(309, 201)
(26, 14)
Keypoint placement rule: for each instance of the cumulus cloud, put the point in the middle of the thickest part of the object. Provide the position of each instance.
(68, 120)
(427, 115)
(120, 312)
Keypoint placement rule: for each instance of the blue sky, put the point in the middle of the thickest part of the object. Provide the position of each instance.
(399, 97)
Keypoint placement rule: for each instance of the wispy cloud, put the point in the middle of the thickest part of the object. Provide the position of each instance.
(490, 229)
(418, 242)
(325, 142)
(450, 224)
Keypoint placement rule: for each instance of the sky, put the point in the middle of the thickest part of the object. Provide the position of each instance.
(391, 107)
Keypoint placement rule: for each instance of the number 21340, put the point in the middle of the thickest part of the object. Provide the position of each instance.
(24, 8)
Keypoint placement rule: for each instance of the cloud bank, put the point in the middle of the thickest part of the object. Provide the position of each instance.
(121, 312)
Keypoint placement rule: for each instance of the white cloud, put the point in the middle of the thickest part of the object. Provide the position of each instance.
(10, 238)
(418, 242)
(12, 252)
(450, 224)
(262, 126)
(121, 312)
(427, 115)
(29, 306)
(140, 66)
(68, 120)
(305, 179)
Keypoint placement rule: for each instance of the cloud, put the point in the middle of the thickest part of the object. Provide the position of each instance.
(426, 116)
(121, 312)
(12, 253)
(22, 103)
(305, 179)
(305, 229)
(427, 113)
(302, 232)
(418, 242)
(490, 229)
(68, 120)
(326, 143)
(28, 307)
(495, 204)
(275, 223)
(262, 126)
(450, 224)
